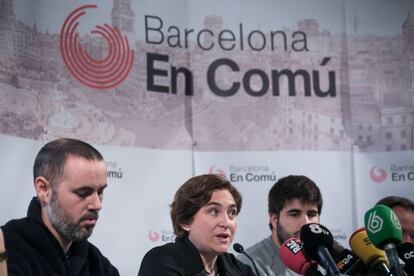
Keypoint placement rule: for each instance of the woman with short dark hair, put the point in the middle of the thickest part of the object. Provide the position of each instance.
(204, 217)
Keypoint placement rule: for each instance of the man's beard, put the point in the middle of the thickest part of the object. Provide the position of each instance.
(282, 234)
(63, 224)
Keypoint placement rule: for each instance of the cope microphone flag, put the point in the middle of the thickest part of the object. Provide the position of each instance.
(384, 230)
(373, 257)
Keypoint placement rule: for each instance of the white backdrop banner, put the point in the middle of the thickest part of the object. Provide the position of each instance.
(256, 90)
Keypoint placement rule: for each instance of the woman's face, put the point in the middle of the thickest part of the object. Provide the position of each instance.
(214, 225)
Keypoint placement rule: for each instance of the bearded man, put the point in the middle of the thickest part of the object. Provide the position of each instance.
(293, 201)
(69, 178)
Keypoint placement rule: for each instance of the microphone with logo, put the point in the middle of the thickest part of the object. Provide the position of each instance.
(240, 249)
(406, 253)
(346, 261)
(373, 257)
(384, 230)
(292, 256)
(317, 240)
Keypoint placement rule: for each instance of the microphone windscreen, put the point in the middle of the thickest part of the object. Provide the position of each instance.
(382, 226)
(292, 256)
(337, 247)
(238, 248)
(406, 253)
(346, 261)
(362, 246)
(314, 235)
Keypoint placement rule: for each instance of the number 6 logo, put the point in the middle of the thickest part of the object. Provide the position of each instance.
(395, 220)
(374, 222)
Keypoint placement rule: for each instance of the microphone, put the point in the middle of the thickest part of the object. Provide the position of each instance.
(317, 240)
(384, 230)
(240, 249)
(373, 257)
(346, 261)
(293, 257)
(406, 253)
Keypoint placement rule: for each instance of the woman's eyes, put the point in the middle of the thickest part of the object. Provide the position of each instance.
(213, 211)
(232, 213)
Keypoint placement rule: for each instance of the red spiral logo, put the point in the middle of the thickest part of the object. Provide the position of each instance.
(377, 174)
(99, 74)
(153, 236)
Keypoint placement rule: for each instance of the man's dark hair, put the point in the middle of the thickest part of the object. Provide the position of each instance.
(194, 194)
(50, 160)
(293, 187)
(394, 201)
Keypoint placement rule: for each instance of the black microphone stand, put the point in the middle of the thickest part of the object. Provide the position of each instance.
(240, 249)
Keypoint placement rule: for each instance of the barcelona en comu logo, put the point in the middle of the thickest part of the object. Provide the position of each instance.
(377, 174)
(99, 74)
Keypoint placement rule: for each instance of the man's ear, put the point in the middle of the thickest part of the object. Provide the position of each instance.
(273, 219)
(186, 227)
(43, 190)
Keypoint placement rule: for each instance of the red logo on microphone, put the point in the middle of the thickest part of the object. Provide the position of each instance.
(99, 74)
(377, 174)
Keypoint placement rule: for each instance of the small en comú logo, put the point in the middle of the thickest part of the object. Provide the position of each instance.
(214, 170)
(377, 174)
(100, 74)
(153, 236)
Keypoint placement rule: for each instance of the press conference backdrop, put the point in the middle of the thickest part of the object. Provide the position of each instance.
(255, 90)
